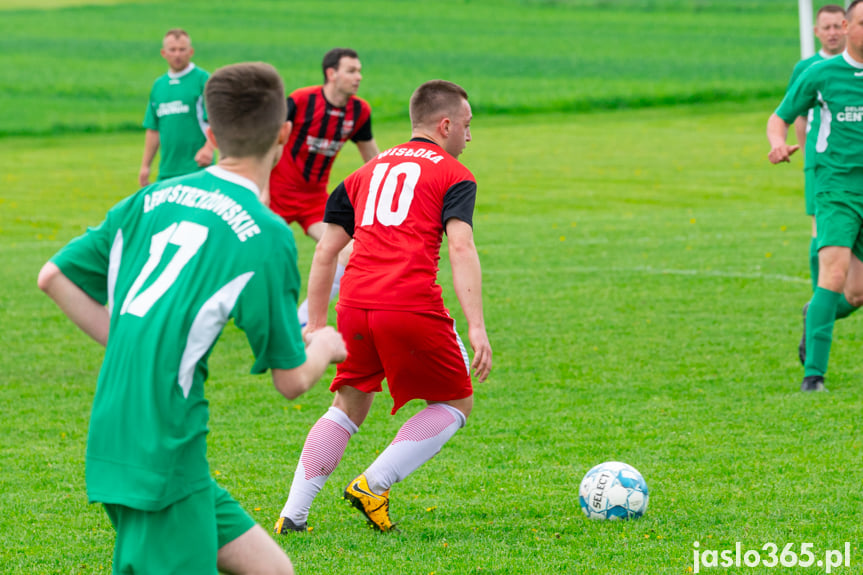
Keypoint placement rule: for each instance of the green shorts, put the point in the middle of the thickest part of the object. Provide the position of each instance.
(185, 537)
(809, 174)
(839, 219)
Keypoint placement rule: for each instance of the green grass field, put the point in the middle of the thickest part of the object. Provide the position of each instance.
(644, 272)
(643, 303)
(91, 67)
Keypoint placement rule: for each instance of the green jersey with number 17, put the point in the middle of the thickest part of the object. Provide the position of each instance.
(838, 83)
(174, 263)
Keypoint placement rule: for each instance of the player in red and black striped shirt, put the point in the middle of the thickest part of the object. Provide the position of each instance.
(397, 208)
(324, 118)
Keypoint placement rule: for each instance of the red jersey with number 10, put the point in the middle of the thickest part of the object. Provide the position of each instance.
(396, 207)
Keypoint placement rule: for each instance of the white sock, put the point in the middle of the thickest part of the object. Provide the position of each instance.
(418, 440)
(303, 310)
(303, 313)
(337, 281)
(322, 452)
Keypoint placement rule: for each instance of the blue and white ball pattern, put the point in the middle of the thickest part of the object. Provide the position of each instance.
(613, 490)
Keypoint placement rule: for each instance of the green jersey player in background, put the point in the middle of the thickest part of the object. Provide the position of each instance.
(155, 284)
(176, 118)
(828, 30)
(838, 84)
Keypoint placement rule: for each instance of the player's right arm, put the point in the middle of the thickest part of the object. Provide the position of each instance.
(325, 346)
(323, 271)
(88, 314)
(339, 223)
(800, 97)
(151, 146)
(467, 281)
(777, 134)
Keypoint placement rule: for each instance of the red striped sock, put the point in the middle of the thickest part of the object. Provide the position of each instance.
(418, 440)
(321, 454)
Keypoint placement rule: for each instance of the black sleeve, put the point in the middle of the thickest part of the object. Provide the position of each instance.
(364, 134)
(458, 202)
(292, 109)
(339, 209)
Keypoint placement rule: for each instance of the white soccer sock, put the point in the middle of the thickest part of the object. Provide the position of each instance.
(303, 313)
(337, 281)
(418, 440)
(303, 310)
(322, 452)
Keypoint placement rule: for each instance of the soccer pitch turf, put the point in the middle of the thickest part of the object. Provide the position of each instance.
(643, 275)
(644, 272)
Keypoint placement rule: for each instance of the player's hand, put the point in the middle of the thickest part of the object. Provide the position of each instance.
(481, 365)
(204, 157)
(144, 176)
(332, 340)
(782, 153)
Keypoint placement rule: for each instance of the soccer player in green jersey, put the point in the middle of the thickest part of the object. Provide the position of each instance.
(176, 118)
(174, 263)
(828, 30)
(836, 87)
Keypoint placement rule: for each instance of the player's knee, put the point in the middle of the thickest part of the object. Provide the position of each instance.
(855, 298)
(832, 278)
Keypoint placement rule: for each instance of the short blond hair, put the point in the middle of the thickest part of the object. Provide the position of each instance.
(176, 33)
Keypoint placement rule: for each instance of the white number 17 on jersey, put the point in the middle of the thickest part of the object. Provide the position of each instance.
(189, 237)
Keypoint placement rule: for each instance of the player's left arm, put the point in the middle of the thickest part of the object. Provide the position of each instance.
(365, 140)
(467, 281)
(204, 156)
(87, 313)
(368, 149)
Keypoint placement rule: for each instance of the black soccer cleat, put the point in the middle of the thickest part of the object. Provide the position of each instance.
(813, 383)
(285, 526)
(801, 349)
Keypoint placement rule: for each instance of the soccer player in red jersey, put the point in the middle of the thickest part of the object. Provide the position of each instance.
(397, 208)
(323, 118)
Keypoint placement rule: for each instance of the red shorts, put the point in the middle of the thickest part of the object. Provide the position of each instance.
(419, 353)
(304, 204)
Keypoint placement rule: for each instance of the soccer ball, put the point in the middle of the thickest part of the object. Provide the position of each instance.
(613, 490)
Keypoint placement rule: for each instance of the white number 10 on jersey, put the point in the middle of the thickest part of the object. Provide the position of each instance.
(383, 207)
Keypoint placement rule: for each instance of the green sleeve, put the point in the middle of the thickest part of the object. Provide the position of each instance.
(799, 68)
(267, 311)
(204, 100)
(84, 260)
(801, 96)
(151, 121)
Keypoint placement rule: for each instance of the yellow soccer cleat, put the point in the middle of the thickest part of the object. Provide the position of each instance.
(375, 507)
(285, 526)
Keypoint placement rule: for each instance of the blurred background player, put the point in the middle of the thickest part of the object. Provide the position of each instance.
(397, 208)
(174, 263)
(176, 118)
(828, 30)
(837, 85)
(324, 118)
